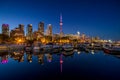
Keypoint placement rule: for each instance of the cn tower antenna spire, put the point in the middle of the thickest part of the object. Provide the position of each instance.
(61, 23)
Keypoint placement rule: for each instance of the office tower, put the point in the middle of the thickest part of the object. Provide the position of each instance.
(41, 28)
(5, 29)
(21, 27)
(49, 30)
(18, 32)
(29, 32)
(83, 36)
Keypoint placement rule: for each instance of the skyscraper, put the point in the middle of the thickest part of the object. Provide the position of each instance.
(41, 28)
(29, 32)
(5, 29)
(29, 28)
(21, 27)
(18, 32)
(49, 30)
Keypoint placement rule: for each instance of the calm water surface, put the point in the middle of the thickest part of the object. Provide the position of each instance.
(75, 65)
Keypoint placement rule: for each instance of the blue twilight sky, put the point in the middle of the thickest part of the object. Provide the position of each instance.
(92, 17)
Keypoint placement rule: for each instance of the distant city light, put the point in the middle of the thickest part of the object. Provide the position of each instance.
(78, 33)
(49, 24)
(110, 41)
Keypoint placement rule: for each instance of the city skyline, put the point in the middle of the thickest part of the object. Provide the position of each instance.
(94, 18)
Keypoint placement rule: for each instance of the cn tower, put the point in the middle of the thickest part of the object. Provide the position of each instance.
(61, 23)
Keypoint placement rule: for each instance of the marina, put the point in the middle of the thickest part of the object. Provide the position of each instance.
(40, 65)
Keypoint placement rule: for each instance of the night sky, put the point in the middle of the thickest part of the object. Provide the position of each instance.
(92, 17)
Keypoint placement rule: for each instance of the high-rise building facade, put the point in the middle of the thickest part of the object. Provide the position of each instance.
(29, 32)
(83, 37)
(41, 28)
(18, 31)
(17, 34)
(21, 27)
(49, 30)
(5, 29)
(29, 28)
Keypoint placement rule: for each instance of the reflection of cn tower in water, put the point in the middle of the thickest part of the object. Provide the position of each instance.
(4, 58)
(61, 62)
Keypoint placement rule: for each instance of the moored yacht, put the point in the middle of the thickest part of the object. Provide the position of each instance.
(67, 47)
(94, 46)
(68, 53)
(112, 50)
(46, 48)
(82, 47)
(36, 46)
(56, 48)
(28, 47)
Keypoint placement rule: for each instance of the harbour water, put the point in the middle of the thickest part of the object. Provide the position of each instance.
(76, 65)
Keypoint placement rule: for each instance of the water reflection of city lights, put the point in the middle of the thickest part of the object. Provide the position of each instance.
(61, 61)
(75, 50)
(92, 51)
(30, 61)
(49, 60)
(4, 61)
(79, 52)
